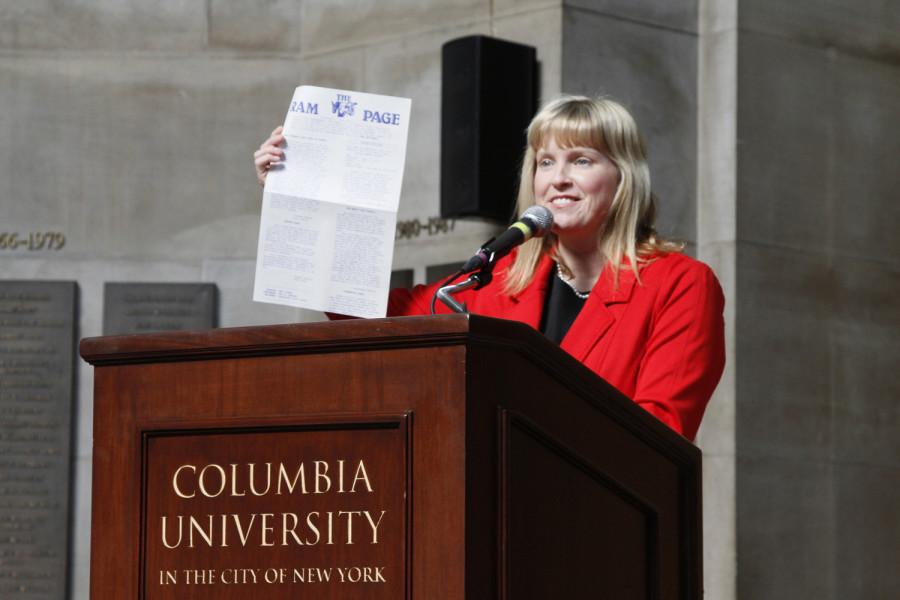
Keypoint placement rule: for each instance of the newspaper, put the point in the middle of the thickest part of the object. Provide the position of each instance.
(329, 211)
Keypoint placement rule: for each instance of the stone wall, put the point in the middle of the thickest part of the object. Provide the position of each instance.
(644, 54)
(818, 274)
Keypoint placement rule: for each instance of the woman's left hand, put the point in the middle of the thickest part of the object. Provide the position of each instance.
(269, 154)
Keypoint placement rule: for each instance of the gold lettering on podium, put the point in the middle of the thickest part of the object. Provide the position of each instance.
(268, 529)
(212, 480)
(275, 514)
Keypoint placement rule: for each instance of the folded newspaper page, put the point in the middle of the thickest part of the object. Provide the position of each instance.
(329, 211)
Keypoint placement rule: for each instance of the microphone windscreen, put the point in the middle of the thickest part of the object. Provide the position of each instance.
(539, 218)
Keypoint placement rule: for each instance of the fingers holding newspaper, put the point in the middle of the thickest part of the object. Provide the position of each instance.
(269, 154)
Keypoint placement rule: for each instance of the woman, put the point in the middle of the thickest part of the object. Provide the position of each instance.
(603, 284)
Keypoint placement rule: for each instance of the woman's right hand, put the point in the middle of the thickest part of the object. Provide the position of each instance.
(269, 154)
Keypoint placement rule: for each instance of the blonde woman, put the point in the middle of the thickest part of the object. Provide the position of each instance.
(620, 299)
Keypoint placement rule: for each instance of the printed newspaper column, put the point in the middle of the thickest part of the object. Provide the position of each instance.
(329, 213)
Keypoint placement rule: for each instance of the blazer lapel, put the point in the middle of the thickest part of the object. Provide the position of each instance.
(595, 317)
(528, 305)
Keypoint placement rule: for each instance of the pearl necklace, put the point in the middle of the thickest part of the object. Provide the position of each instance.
(579, 295)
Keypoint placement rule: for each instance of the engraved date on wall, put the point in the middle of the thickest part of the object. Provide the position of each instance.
(33, 240)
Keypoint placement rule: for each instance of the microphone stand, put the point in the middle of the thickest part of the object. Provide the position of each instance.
(535, 221)
(477, 281)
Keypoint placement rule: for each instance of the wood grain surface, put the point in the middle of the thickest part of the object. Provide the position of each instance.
(506, 469)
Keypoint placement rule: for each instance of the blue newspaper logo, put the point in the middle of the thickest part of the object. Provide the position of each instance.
(343, 107)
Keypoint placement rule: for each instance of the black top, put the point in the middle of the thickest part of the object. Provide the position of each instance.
(561, 307)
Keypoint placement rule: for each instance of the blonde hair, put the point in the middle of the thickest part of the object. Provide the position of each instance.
(628, 232)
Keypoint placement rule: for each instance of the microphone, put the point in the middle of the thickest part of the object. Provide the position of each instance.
(534, 222)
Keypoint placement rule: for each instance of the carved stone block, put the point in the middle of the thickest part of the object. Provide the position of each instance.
(146, 307)
(37, 343)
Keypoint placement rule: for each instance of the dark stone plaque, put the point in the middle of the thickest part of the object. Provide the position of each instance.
(37, 351)
(147, 307)
(402, 278)
(436, 273)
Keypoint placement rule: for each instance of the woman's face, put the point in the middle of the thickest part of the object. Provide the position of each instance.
(577, 185)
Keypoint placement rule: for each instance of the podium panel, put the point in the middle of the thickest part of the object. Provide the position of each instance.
(316, 508)
(576, 523)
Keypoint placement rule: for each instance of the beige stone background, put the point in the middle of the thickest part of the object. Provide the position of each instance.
(773, 128)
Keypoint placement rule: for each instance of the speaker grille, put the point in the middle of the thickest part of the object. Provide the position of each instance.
(488, 97)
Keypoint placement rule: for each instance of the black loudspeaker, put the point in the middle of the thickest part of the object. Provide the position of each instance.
(488, 97)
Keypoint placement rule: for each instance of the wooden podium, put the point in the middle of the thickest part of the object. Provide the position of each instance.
(431, 458)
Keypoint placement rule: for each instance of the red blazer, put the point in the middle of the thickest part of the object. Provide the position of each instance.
(660, 342)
